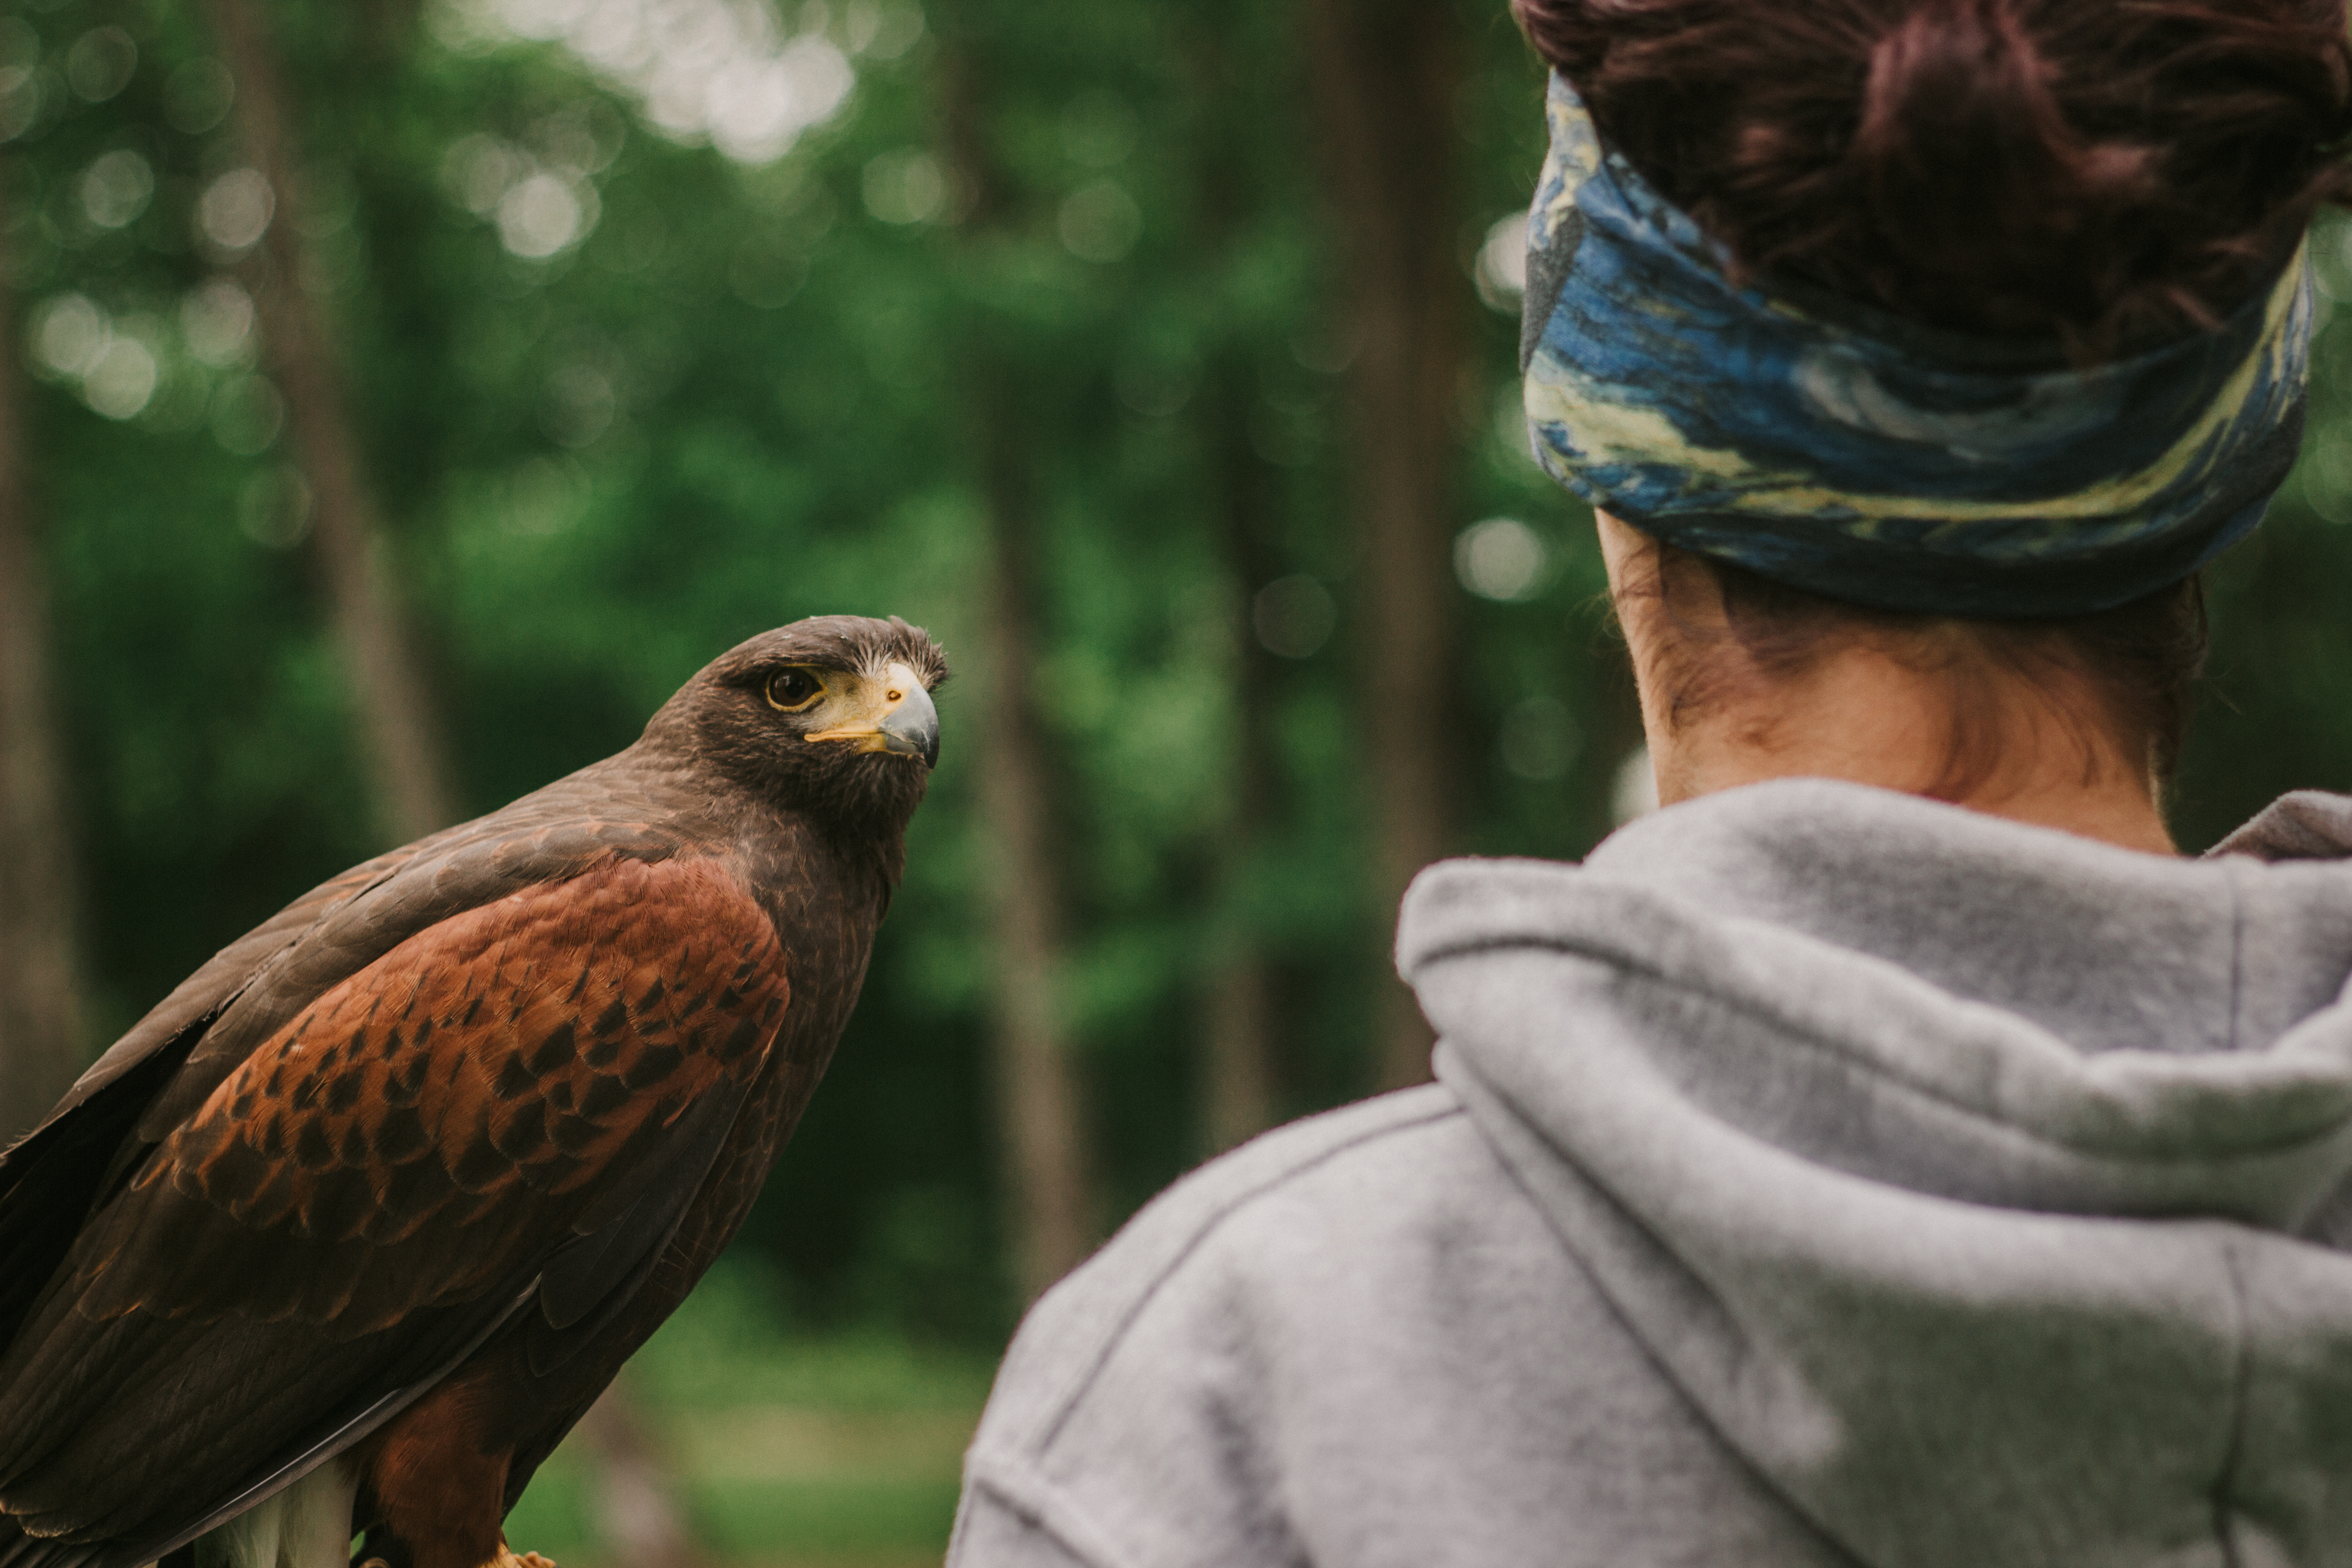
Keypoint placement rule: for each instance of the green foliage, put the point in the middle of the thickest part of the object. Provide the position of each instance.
(730, 1347)
(734, 400)
(832, 1445)
(2273, 715)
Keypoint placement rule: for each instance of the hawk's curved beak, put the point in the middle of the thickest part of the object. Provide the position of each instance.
(912, 729)
(898, 718)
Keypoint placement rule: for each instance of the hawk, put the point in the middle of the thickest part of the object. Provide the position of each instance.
(347, 1233)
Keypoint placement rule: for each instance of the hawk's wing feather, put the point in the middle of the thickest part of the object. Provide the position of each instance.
(198, 999)
(173, 1059)
(462, 869)
(608, 1240)
(73, 1147)
(425, 1370)
(534, 1086)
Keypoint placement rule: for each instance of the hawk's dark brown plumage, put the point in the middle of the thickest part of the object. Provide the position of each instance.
(396, 1181)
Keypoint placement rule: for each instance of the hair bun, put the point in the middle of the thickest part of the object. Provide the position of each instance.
(1966, 155)
(1957, 83)
(2097, 173)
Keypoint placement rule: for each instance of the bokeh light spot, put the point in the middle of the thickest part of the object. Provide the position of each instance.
(274, 508)
(579, 405)
(1634, 791)
(542, 214)
(1294, 616)
(1539, 738)
(884, 29)
(1099, 130)
(116, 188)
(1502, 266)
(100, 63)
(1512, 432)
(20, 84)
(216, 322)
(766, 277)
(123, 380)
(20, 101)
(1502, 558)
(583, 137)
(1154, 391)
(905, 186)
(247, 413)
(197, 96)
(703, 69)
(235, 211)
(68, 334)
(477, 170)
(1100, 222)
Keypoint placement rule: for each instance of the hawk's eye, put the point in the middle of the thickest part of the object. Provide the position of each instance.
(792, 689)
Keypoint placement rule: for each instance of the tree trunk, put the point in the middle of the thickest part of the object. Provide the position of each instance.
(398, 730)
(1048, 1183)
(1037, 1091)
(1237, 1099)
(1383, 82)
(1237, 1078)
(636, 1500)
(39, 993)
(398, 724)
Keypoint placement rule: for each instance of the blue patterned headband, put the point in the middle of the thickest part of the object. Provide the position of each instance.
(1827, 446)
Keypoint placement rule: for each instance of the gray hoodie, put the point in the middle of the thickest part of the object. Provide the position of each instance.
(1816, 1176)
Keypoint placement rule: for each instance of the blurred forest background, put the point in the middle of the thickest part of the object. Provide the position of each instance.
(398, 398)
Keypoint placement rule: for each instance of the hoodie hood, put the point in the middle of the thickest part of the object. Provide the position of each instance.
(1979, 1183)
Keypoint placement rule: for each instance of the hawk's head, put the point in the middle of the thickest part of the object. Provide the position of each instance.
(831, 716)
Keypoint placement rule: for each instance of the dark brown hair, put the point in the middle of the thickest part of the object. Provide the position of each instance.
(2102, 171)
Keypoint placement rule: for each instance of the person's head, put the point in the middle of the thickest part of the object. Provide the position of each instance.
(2102, 178)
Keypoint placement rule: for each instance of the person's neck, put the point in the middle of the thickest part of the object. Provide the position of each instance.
(1862, 716)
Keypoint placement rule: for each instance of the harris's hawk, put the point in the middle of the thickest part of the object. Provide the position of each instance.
(349, 1231)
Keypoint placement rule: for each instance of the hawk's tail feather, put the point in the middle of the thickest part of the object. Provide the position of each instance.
(19, 1549)
(417, 1378)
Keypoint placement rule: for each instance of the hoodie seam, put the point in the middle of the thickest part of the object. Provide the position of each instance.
(1822, 1038)
(1994, 1126)
(1019, 1488)
(1501, 1107)
(2237, 950)
(1697, 979)
(2225, 1535)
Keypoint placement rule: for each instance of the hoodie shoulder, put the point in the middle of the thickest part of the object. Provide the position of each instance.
(1356, 1341)
(1075, 1324)
(1097, 1437)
